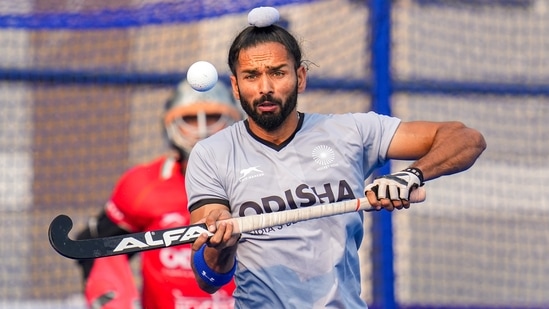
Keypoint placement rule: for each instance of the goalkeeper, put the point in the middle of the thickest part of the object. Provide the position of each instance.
(152, 196)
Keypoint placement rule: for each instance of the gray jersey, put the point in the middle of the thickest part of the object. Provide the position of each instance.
(310, 264)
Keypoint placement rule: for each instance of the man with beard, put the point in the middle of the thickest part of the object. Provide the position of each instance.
(280, 158)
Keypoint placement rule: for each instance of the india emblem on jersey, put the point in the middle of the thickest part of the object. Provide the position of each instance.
(323, 155)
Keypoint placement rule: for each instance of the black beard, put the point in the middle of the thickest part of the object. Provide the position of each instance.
(270, 121)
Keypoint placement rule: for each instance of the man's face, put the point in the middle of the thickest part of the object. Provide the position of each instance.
(267, 84)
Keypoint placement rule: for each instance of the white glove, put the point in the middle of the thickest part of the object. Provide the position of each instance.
(397, 186)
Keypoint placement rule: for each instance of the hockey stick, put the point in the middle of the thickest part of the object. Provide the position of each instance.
(60, 227)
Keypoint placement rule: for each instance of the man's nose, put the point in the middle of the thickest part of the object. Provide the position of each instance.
(265, 85)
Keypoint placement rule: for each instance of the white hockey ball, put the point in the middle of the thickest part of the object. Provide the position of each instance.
(202, 76)
(263, 16)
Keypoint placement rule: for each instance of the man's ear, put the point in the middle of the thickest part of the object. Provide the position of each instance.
(234, 86)
(301, 78)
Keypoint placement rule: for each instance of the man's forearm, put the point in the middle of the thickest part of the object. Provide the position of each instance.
(455, 149)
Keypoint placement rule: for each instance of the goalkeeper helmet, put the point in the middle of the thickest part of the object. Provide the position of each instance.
(192, 115)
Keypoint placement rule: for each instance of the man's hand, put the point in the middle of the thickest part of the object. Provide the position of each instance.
(216, 253)
(222, 231)
(393, 190)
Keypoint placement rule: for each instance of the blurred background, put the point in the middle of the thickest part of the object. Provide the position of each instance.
(82, 88)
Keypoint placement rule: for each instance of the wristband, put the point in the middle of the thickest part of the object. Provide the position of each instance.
(209, 275)
(417, 172)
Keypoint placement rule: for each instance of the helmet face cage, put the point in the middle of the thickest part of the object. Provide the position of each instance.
(185, 135)
(192, 115)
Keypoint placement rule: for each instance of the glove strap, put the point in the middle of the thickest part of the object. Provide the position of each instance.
(417, 172)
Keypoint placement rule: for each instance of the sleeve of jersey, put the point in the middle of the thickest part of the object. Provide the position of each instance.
(377, 131)
(199, 182)
(111, 284)
(121, 208)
